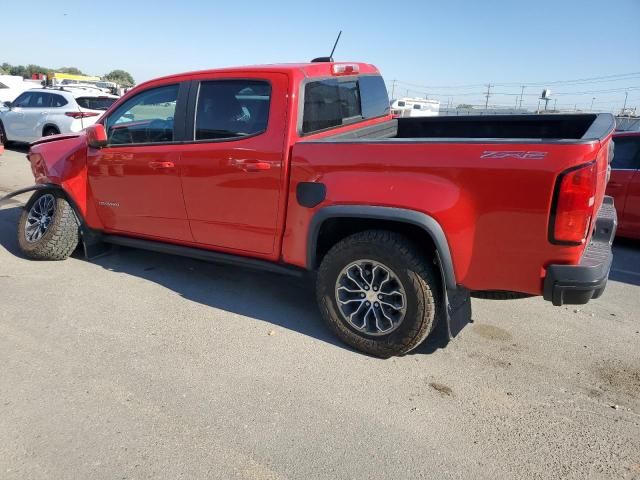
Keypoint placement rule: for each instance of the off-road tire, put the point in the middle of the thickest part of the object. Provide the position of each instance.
(61, 237)
(48, 131)
(414, 269)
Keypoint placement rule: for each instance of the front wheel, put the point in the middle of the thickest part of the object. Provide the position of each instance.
(48, 227)
(378, 292)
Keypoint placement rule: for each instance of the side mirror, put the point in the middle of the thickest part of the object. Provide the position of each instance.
(96, 136)
(8, 104)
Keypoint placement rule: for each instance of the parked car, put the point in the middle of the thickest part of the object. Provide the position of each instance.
(13, 85)
(301, 168)
(624, 184)
(42, 112)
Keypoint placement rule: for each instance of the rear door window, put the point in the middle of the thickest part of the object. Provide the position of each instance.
(40, 100)
(229, 109)
(626, 153)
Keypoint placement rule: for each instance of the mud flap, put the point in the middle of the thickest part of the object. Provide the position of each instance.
(457, 304)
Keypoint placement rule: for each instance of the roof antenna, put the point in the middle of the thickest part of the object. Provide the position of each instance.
(330, 57)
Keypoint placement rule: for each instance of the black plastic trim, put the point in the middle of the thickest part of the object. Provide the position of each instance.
(190, 122)
(602, 126)
(202, 254)
(310, 194)
(180, 115)
(577, 284)
(427, 223)
(27, 189)
(554, 204)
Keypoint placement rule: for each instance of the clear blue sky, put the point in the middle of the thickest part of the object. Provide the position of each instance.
(427, 43)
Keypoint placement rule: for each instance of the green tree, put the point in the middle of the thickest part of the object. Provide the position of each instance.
(70, 70)
(18, 70)
(120, 77)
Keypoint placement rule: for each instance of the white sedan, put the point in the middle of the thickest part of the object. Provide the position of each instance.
(46, 111)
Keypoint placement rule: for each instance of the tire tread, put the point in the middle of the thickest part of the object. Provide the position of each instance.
(62, 238)
(421, 275)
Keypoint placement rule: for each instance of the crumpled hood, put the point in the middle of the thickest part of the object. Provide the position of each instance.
(58, 158)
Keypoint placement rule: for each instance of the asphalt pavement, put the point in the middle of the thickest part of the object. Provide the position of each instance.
(142, 365)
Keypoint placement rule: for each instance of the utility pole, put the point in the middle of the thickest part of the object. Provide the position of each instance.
(486, 103)
(538, 109)
(592, 100)
(624, 107)
(555, 102)
(521, 95)
(393, 89)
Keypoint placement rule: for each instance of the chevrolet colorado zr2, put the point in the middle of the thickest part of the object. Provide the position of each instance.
(301, 168)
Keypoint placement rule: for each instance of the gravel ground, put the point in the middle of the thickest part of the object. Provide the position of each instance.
(141, 365)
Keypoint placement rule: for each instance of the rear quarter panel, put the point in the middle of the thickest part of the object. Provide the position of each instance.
(494, 211)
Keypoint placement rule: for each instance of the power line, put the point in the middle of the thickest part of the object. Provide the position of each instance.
(598, 79)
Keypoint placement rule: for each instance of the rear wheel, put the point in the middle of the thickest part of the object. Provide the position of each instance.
(48, 131)
(48, 227)
(378, 293)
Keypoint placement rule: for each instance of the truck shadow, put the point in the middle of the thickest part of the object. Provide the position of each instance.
(287, 302)
(283, 301)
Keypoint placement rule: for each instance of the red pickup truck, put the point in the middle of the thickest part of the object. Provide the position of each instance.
(301, 168)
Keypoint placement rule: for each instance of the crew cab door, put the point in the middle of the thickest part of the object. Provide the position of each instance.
(232, 171)
(135, 179)
(624, 172)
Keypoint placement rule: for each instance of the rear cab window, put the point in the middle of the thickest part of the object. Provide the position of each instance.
(333, 102)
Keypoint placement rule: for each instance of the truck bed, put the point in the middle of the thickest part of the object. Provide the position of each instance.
(487, 180)
(571, 128)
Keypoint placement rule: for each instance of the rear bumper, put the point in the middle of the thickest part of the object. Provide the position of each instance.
(577, 284)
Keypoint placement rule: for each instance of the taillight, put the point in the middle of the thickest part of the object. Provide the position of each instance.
(574, 200)
(81, 114)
